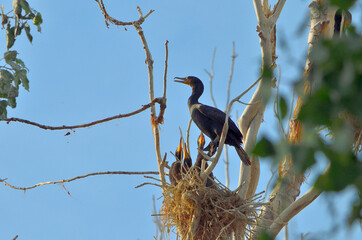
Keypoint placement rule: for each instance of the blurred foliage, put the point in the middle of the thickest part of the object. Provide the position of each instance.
(13, 71)
(331, 117)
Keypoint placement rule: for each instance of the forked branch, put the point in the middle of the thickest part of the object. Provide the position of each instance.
(46, 127)
(77, 178)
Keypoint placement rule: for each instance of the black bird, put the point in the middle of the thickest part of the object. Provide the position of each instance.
(175, 170)
(211, 120)
(187, 164)
(201, 144)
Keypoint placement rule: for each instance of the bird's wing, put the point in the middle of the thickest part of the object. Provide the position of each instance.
(218, 116)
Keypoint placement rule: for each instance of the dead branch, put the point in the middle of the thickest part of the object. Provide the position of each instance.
(155, 120)
(211, 77)
(77, 178)
(144, 107)
(114, 21)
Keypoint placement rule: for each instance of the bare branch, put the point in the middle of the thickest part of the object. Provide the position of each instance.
(211, 77)
(227, 178)
(76, 178)
(277, 10)
(108, 18)
(250, 120)
(188, 135)
(233, 56)
(293, 210)
(144, 107)
(165, 72)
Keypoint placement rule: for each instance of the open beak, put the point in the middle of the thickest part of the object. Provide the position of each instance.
(183, 80)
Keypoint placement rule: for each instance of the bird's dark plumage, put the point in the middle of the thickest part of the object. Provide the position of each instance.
(211, 120)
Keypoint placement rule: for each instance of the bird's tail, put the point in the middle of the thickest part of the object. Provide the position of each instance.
(243, 155)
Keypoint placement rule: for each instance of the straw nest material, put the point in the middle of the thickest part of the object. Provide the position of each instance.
(199, 212)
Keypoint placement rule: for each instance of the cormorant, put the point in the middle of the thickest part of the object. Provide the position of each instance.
(211, 120)
(175, 170)
(187, 164)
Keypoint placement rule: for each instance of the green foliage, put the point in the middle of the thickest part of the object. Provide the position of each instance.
(333, 104)
(264, 236)
(14, 73)
(264, 148)
(343, 4)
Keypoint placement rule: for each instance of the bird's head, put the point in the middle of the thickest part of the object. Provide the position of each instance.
(186, 154)
(178, 152)
(201, 141)
(190, 80)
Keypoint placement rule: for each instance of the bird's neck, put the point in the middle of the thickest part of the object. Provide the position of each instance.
(196, 93)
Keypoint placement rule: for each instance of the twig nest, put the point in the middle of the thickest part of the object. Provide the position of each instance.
(205, 213)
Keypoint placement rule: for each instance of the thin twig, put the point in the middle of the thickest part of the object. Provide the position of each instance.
(144, 184)
(188, 135)
(157, 220)
(211, 76)
(276, 107)
(144, 107)
(165, 72)
(78, 177)
(233, 56)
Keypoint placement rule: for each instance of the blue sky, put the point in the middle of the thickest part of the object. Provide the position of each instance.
(80, 71)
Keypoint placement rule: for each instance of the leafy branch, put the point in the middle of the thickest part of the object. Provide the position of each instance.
(14, 72)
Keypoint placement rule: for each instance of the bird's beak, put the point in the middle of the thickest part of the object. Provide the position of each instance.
(183, 80)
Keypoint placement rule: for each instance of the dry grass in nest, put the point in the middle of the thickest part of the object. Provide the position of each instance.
(205, 213)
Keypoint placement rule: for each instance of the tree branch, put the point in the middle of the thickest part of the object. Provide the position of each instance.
(144, 107)
(283, 205)
(155, 120)
(211, 77)
(76, 178)
(250, 120)
(114, 21)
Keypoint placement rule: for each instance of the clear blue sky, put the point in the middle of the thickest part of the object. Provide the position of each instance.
(81, 71)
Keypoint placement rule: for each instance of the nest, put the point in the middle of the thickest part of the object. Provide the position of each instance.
(204, 213)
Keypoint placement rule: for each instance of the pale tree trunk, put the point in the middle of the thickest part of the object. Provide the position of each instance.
(282, 200)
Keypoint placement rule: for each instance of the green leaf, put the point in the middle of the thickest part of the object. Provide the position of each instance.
(6, 75)
(15, 66)
(38, 28)
(264, 148)
(303, 157)
(344, 4)
(37, 20)
(12, 102)
(22, 75)
(20, 62)
(264, 236)
(356, 212)
(10, 56)
(283, 107)
(344, 170)
(10, 36)
(3, 112)
(25, 5)
(28, 34)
